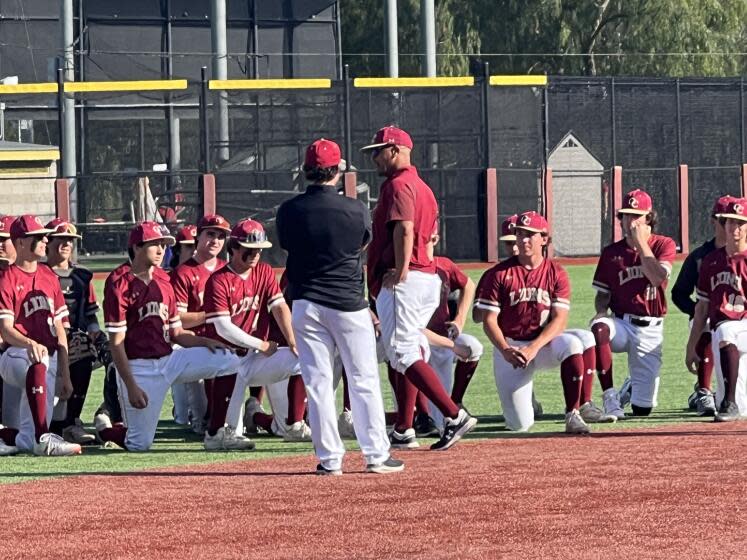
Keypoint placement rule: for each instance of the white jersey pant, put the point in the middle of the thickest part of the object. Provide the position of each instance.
(321, 330)
(183, 365)
(643, 345)
(14, 364)
(404, 312)
(442, 361)
(515, 385)
(11, 416)
(256, 370)
(732, 332)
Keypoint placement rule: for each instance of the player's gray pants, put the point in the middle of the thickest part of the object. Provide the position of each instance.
(733, 332)
(319, 330)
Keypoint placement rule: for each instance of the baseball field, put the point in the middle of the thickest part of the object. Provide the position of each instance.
(668, 486)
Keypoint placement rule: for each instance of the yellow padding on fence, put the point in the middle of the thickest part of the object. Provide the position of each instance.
(134, 85)
(29, 155)
(413, 82)
(518, 80)
(44, 87)
(290, 83)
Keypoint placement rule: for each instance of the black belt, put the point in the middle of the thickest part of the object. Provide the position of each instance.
(638, 322)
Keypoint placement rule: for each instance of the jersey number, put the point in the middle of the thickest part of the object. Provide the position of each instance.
(735, 303)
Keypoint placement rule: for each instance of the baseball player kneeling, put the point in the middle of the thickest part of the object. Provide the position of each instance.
(142, 318)
(525, 301)
(721, 300)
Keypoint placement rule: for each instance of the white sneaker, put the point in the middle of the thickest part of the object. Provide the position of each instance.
(592, 414)
(251, 407)
(574, 424)
(54, 446)
(625, 392)
(6, 450)
(298, 431)
(226, 439)
(612, 404)
(75, 433)
(345, 425)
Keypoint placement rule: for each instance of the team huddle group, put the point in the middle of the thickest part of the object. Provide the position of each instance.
(209, 329)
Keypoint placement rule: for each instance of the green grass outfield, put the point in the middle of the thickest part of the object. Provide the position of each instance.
(174, 446)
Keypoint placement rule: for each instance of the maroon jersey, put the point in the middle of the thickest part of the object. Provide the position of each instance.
(404, 197)
(273, 330)
(243, 298)
(34, 301)
(721, 283)
(620, 274)
(523, 297)
(452, 278)
(189, 280)
(145, 312)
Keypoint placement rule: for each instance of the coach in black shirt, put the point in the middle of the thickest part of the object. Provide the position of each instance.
(325, 234)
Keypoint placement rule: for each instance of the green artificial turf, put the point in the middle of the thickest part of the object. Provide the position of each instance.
(176, 446)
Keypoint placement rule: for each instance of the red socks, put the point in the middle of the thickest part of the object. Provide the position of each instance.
(222, 387)
(116, 434)
(730, 368)
(463, 373)
(425, 379)
(704, 351)
(296, 399)
(590, 365)
(604, 355)
(36, 391)
(572, 375)
(406, 394)
(80, 379)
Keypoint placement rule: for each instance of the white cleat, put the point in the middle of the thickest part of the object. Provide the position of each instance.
(251, 407)
(75, 433)
(592, 414)
(7, 450)
(345, 425)
(226, 439)
(612, 404)
(574, 424)
(625, 392)
(52, 445)
(298, 431)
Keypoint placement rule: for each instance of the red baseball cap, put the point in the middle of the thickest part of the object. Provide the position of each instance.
(636, 202)
(26, 225)
(508, 229)
(5, 222)
(150, 231)
(389, 136)
(186, 235)
(532, 221)
(63, 228)
(736, 209)
(721, 205)
(322, 153)
(250, 234)
(214, 221)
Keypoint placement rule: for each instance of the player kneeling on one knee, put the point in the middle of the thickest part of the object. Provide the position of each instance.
(525, 302)
(142, 318)
(721, 301)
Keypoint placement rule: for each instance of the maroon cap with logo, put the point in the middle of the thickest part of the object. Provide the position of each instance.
(5, 223)
(721, 205)
(150, 231)
(532, 221)
(26, 225)
(636, 202)
(186, 234)
(63, 228)
(250, 234)
(508, 229)
(736, 209)
(322, 153)
(215, 221)
(389, 136)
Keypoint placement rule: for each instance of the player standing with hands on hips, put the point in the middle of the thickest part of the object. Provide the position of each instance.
(402, 275)
(631, 281)
(325, 234)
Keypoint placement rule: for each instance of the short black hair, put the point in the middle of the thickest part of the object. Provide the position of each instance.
(320, 174)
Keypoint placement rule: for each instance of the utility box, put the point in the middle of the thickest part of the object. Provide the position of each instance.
(27, 176)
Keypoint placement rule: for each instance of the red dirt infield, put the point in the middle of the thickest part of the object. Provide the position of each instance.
(673, 492)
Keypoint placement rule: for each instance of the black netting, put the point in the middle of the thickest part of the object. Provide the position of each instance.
(516, 127)
(662, 185)
(706, 185)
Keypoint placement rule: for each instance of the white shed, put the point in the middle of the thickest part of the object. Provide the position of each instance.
(577, 198)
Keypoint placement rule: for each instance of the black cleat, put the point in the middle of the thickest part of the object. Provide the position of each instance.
(323, 471)
(391, 465)
(454, 430)
(425, 426)
(729, 412)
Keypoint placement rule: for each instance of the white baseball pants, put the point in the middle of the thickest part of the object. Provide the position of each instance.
(733, 332)
(643, 345)
(14, 364)
(319, 331)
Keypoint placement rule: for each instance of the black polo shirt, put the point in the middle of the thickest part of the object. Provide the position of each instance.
(324, 234)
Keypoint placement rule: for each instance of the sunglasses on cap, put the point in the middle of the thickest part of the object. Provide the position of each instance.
(253, 237)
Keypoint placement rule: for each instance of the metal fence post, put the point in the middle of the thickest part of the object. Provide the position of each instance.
(204, 130)
(348, 140)
(684, 190)
(491, 215)
(60, 119)
(616, 201)
(486, 114)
